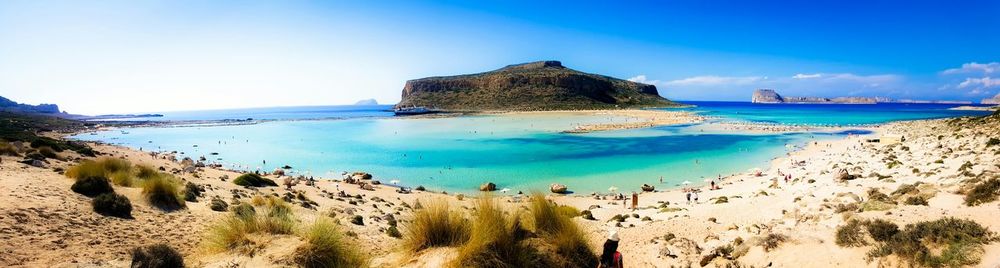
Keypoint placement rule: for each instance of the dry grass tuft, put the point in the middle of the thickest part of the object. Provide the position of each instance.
(326, 247)
(163, 192)
(496, 238)
(268, 215)
(435, 225)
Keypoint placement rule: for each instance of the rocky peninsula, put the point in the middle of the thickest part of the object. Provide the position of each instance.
(770, 96)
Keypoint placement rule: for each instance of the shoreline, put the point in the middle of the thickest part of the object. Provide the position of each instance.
(801, 209)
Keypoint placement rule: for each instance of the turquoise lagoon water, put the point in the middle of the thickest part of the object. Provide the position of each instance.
(520, 152)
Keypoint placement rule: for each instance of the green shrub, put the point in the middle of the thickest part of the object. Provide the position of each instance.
(435, 225)
(393, 232)
(326, 247)
(156, 256)
(916, 201)
(881, 230)
(983, 192)
(253, 180)
(850, 235)
(163, 192)
(92, 186)
(959, 242)
(772, 241)
(992, 142)
(218, 204)
(192, 192)
(587, 215)
(112, 204)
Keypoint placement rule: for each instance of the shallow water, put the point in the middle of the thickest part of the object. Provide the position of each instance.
(521, 152)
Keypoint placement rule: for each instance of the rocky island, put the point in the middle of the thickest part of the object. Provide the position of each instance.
(534, 86)
(770, 96)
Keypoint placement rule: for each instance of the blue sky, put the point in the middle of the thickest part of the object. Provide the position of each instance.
(145, 56)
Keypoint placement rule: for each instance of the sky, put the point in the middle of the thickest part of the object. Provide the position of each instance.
(101, 57)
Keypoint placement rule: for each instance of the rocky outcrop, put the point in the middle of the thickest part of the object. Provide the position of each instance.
(543, 85)
(770, 96)
(8, 105)
(766, 96)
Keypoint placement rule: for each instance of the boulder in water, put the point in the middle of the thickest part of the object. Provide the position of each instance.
(488, 187)
(558, 188)
(647, 188)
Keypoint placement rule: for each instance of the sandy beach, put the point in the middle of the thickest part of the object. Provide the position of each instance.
(43, 223)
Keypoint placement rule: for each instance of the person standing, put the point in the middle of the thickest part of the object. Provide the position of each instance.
(610, 257)
(635, 200)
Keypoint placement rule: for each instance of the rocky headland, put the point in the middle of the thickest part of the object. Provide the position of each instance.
(535, 86)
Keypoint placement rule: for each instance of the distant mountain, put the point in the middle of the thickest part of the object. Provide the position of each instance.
(993, 100)
(8, 105)
(366, 102)
(542, 85)
(770, 96)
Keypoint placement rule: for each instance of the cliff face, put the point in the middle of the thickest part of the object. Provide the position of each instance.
(543, 85)
(770, 96)
(766, 96)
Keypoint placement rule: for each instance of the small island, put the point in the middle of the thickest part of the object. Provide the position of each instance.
(535, 86)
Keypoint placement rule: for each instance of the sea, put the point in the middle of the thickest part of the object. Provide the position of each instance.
(519, 153)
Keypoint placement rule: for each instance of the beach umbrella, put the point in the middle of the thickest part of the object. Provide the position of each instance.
(708, 180)
(504, 190)
(686, 182)
(613, 189)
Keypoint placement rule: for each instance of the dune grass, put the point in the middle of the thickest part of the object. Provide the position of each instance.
(48, 152)
(163, 191)
(436, 224)
(120, 171)
(263, 215)
(8, 149)
(495, 240)
(326, 247)
(554, 224)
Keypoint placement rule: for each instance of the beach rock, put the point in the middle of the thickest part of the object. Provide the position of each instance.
(558, 188)
(278, 172)
(843, 175)
(647, 188)
(34, 162)
(488, 187)
(358, 176)
(367, 186)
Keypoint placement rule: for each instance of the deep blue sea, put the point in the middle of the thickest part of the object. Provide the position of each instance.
(520, 152)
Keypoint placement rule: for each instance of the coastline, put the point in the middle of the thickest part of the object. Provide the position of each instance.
(755, 206)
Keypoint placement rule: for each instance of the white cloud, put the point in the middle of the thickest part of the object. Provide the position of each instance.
(974, 67)
(806, 76)
(979, 83)
(716, 80)
(642, 79)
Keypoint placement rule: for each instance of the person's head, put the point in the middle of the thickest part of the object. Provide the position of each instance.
(610, 247)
